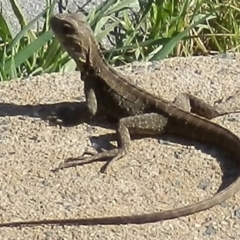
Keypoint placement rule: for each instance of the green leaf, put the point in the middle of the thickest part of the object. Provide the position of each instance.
(5, 32)
(106, 31)
(13, 72)
(166, 50)
(26, 29)
(22, 56)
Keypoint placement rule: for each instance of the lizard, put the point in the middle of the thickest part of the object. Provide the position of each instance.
(137, 111)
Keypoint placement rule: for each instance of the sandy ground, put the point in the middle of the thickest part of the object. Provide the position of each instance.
(158, 174)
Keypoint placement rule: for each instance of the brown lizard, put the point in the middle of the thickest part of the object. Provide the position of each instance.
(111, 94)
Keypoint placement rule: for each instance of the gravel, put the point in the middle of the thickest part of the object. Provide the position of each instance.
(154, 176)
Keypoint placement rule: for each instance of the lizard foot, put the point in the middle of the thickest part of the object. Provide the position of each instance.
(108, 156)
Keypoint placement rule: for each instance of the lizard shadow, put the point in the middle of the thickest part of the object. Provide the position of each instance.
(69, 113)
(74, 113)
(228, 168)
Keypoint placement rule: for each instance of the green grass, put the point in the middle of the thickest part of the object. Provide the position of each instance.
(140, 30)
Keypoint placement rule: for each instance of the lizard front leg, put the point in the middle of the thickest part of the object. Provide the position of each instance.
(150, 124)
(76, 115)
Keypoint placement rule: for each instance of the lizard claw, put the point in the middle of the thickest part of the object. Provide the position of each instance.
(82, 160)
(69, 160)
(108, 156)
(108, 165)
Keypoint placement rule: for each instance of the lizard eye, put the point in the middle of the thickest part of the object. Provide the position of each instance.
(68, 29)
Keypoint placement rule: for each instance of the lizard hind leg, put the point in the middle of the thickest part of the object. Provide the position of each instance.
(193, 104)
(148, 123)
(151, 123)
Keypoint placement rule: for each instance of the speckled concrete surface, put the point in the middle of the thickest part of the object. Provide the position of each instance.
(156, 175)
(31, 8)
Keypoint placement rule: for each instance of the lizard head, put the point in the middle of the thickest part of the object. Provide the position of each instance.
(74, 34)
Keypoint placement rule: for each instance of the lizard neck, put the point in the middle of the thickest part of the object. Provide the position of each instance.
(98, 62)
(94, 63)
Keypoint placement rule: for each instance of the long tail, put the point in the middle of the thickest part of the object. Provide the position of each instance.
(217, 135)
(141, 218)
